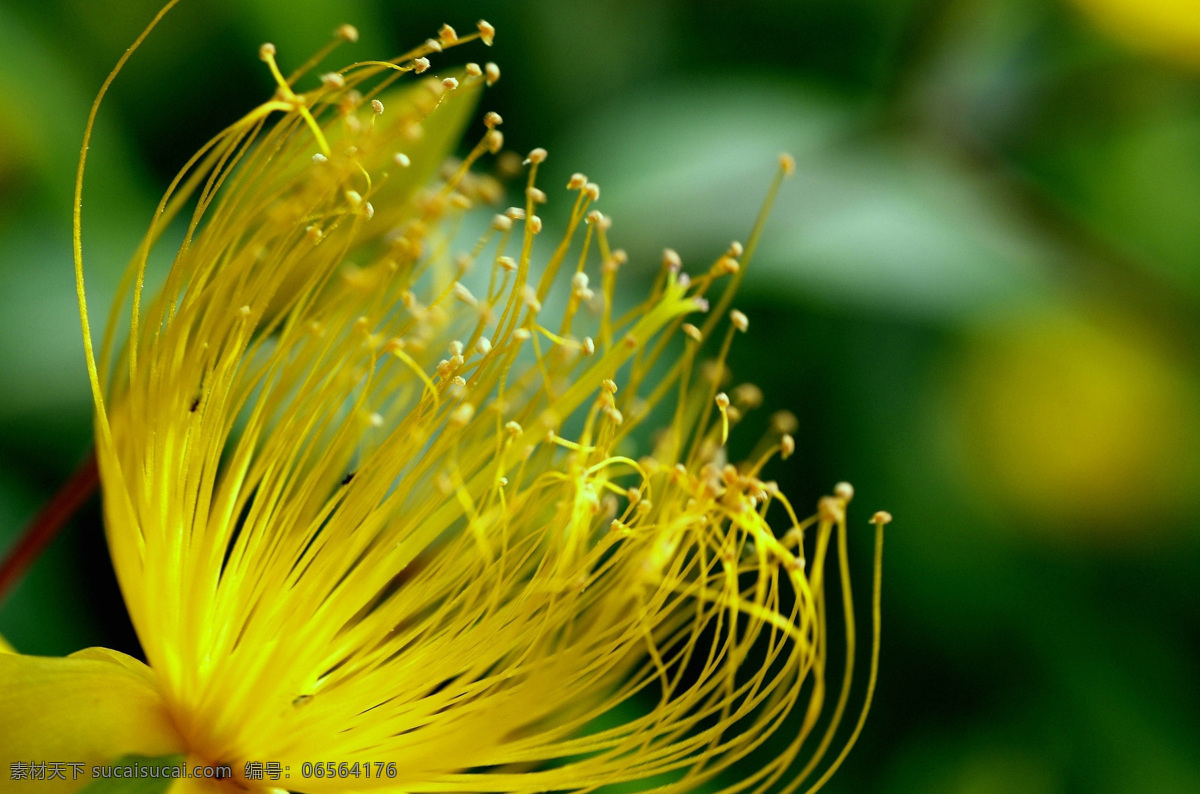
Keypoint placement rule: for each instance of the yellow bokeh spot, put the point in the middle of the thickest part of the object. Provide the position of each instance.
(1169, 28)
(1080, 423)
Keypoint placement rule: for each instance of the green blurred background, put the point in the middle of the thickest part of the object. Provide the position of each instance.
(979, 294)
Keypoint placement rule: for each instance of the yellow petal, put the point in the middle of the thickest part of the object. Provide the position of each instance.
(91, 707)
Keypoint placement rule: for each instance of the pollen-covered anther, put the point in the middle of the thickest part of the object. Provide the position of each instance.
(483, 346)
(722, 400)
(487, 33)
(579, 285)
(787, 164)
(735, 250)
(514, 429)
(347, 33)
(609, 385)
(592, 190)
(784, 422)
(473, 70)
(529, 298)
(462, 415)
(615, 415)
(787, 446)
(354, 198)
(577, 181)
(791, 562)
(748, 396)
(314, 234)
(844, 491)
(515, 213)
(447, 34)
(376, 107)
(727, 265)
(522, 335)
(333, 80)
(882, 517)
(588, 346)
(491, 73)
(506, 262)
(595, 216)
(536, 156)
(420, 65)
(739, 320)
(494, 141)
(244, 312)
(464, 294)
(266, 52)
(534, 224)
(433, 45)
(450, 83)
(319, 159)
(671, 260)
(692, 332)
(536, 195)
(376, 419)
(492, 119)
(831, 509)
(460, 202)
(369, 210)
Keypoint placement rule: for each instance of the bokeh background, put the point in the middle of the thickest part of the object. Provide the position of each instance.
(979, 294)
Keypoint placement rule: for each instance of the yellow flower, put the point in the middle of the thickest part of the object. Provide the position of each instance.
(1170, 28)
(373, 499)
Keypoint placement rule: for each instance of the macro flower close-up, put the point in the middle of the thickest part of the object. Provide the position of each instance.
(377, 496)
(419, 403)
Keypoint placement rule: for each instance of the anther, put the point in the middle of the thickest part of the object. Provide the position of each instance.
(501, 223)
(347, 33)
(592, 190)
(433, 44)
(473, 70)
(671, 260)
(447, 35)
(420, 65)
(376, 419)
(494, 141)
(844, 491)
(354, 198)
(506, 262)
(722, 400)
(576, 181)
(609, 385)
(450, 83)
(831, 509)
(736, 250)
(332, 80)
(787, 164)
(483, 346)
(881, 518)
(464, 294)
(492, 119)
(491, 73)
(487, 33)
(462, 414)
(244, 311)
(787, 446)
(534, 224)
(266, 52)
(530, 299)
(692, 332)
(595, 216)
(376, 107)
(538, 155)
(739, 320)
(401, 159)
(748, 395)
(727, 264)
(589, 346)
(513, 429)
(784, 422)
(537, 195)
(320, 159)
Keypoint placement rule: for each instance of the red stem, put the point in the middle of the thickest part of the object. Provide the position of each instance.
(46, 524)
